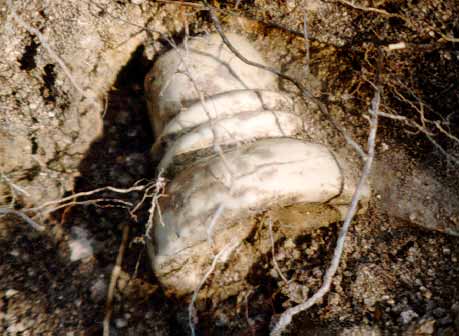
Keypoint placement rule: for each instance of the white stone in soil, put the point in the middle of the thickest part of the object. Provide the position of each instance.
(10, 293)
(407, 316)
(121, 323)
(80, 246)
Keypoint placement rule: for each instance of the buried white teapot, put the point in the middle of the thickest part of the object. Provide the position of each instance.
(234, 154)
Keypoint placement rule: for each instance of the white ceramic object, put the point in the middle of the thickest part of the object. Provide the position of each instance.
(228, 104)
(241, 128)
(250, 160)
(202, 65)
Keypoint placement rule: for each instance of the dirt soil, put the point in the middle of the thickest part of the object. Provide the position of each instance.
(400, 271)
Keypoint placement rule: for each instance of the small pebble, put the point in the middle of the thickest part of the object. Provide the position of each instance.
(120, 323)
(80, 247)
(407, 316)
(221, 320)
(289, 244)
(15, 328)
(446, 251)
(10, 293)
(425, 328)
(98, 291)
(427, 294)
(15, 253)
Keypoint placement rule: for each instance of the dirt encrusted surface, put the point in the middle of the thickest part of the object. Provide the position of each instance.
(399, 274)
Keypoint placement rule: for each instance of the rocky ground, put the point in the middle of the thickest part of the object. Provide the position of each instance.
(400, 271)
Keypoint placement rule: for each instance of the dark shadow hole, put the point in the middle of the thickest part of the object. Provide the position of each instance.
(48, 90)
(120, 158)
(34, 148)
(27, 61)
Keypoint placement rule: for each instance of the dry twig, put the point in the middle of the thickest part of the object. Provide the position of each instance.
(371, 9)
(443, 38)
(71, 200)
(113, 280)
(276, 266)
(224, 252)
(14, 189)
(286, 317)
(27, 219)
(52, 206)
